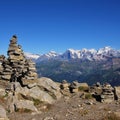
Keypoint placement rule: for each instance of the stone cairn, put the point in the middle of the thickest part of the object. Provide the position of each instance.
(65, 88)
(17, 70)
(107, 94)
(16, 61)
(103, 93)
(74, 87)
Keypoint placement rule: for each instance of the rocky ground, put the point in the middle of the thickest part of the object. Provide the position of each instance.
(72, 108)
(80, 105)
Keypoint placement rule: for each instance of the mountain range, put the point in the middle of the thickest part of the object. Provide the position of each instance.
(84, 65)
(84, 54)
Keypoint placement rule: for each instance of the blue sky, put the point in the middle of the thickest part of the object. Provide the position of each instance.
(44, 25)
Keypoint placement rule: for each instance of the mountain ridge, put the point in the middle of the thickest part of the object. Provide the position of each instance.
(83, 54)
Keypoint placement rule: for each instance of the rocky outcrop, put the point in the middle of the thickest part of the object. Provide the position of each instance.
(43, 91)
(49, 86)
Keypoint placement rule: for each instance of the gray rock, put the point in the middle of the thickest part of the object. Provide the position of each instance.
(41, 95)
(50, 87)
(26, 105)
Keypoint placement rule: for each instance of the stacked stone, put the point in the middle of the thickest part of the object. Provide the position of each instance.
(74, 87)
(64, 85)
(32, 73)
(1, 61)
(16, 55)
(16, 61)
(107, 95)
(1, 67)
(96, 89)
(65, 88)
(5, 68)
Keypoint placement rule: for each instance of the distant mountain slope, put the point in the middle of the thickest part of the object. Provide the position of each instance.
(84, 65)
(82, 70)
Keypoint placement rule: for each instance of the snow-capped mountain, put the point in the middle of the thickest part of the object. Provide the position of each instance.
(34, 57)
(71, 54)
(48, 56)
(84, 54)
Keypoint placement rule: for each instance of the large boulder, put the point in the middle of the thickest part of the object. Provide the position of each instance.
(45, 90)
(49, 86)
(41, 95)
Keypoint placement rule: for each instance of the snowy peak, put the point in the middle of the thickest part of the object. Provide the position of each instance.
(51, 54)
(105, 50)
(31, 56)
(109, 52)
(71, 54)
(79, 54)
(84, 54)
(48, 56)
